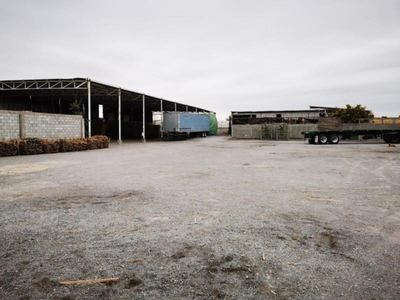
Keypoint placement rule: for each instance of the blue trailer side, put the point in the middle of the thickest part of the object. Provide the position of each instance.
(194, 123)
(182, 122)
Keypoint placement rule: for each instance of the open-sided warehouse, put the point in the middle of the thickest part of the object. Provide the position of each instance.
(108, 110)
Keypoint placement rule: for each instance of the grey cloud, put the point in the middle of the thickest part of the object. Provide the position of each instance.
(220, 55)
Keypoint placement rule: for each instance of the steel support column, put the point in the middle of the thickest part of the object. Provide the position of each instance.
(175, 106)
(231, 124)
(89, 110)
(144, 119)
(119, 117)
(187, 108)
(162, 119)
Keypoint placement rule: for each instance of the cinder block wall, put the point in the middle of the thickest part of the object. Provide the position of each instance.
(254, 131)
(21, 124)
(297, 129)
(247, 131)
(9, 125)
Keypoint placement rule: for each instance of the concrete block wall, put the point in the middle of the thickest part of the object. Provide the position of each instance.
(297, 129)
(248, 131)
(254, 131)
(19, 124)
(9, 125)
(52, 126)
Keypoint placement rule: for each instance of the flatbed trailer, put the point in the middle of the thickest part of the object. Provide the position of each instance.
(333, 136)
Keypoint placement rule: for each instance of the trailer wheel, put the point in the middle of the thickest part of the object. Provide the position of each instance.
(395, 138)
(392, 138)
(323, 139)
(333, 139)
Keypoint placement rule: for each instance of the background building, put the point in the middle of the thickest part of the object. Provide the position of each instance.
(284, 124)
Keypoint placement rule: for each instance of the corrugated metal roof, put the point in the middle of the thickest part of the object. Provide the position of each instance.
(53, 84)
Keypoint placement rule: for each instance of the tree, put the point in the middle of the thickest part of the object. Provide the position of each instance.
(76, 107)
(351, 114)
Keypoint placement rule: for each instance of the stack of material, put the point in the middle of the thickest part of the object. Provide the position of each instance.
(30, 146)
(8, 149)
(66, 145)
(103, 141)
(93, 143)
(329, 123)
(80, 144)
(50, 146)
(37, 146)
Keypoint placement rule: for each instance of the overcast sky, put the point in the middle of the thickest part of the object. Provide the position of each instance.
(218, 55)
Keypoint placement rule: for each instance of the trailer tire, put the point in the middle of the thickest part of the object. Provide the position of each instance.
(392, 138)
(395, 138)
(323, 139)
(333, 139)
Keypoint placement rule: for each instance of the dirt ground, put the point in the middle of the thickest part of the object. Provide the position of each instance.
(208, 218)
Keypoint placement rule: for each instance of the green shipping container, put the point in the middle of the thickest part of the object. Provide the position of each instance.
(213, 124)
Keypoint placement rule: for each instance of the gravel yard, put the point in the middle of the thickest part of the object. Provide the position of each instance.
(207, 218)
